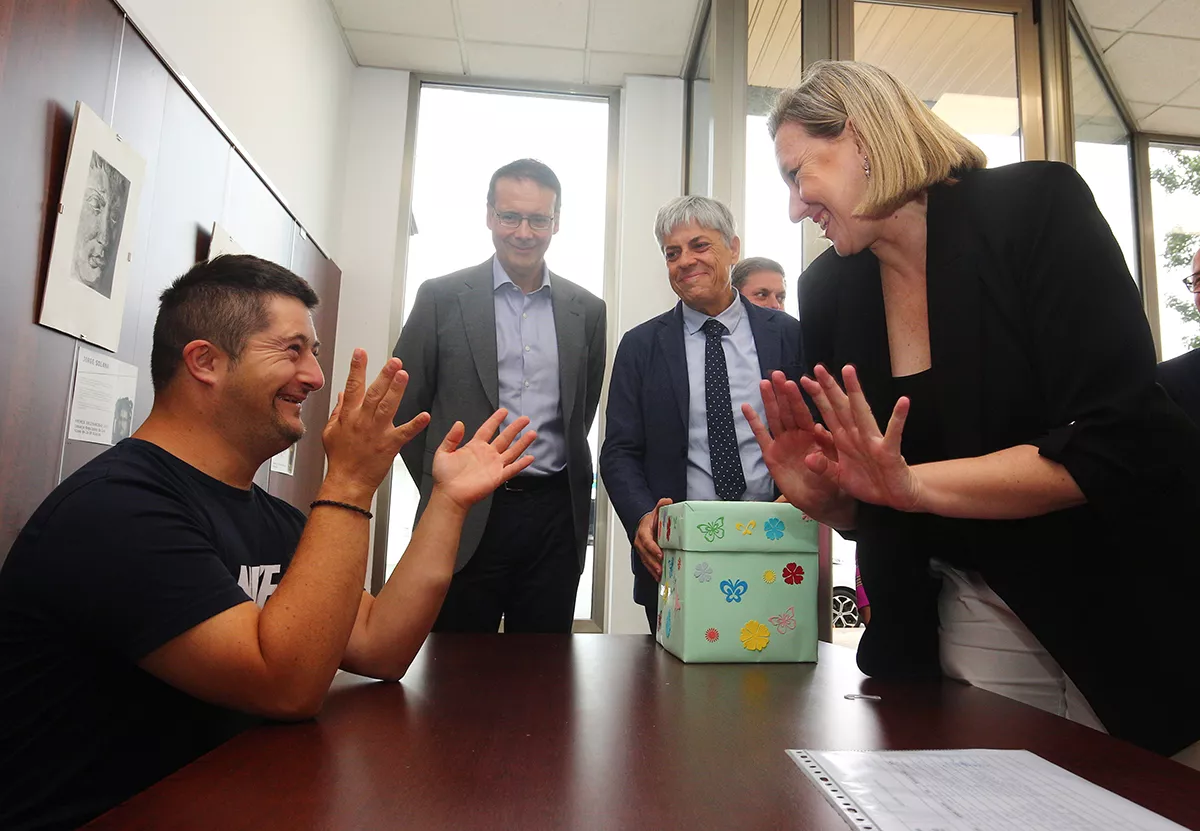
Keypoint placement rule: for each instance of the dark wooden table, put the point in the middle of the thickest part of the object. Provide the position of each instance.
(605, 732)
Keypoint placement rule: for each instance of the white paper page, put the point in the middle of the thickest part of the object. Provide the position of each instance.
(968, 790)
(102, 405)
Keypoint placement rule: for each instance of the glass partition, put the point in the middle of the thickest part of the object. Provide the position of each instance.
(1102, 149)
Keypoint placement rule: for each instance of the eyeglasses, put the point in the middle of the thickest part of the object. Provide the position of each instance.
(1193, 283)
(512, 219)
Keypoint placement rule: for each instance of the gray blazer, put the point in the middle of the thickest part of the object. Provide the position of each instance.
(448, 347)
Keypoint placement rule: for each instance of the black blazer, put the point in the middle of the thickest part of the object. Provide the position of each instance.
(1180, 377)
(1037, 337)
(644, 456)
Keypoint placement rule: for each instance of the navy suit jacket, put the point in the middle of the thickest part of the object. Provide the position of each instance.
(644, 456)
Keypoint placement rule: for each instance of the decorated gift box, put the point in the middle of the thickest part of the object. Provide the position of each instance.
(739, 582)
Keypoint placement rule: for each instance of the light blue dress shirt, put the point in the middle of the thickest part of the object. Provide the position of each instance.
(741, 360)
(527, 364)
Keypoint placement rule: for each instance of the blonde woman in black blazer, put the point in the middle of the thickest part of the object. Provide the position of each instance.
(992, 433)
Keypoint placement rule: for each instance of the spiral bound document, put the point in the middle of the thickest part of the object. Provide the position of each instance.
(967, 790)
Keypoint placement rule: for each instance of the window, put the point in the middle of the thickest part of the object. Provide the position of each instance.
(463, 136)
(962, 64)
(1175, 195)
(772, 64)
(1102, 151)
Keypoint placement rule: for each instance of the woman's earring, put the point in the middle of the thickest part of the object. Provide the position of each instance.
(866, 167)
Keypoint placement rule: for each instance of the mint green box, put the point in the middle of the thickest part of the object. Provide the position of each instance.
(739, 582)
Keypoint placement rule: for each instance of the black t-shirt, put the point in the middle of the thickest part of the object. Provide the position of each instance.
(132, 550)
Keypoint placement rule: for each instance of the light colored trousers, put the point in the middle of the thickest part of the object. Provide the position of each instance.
(984, 644)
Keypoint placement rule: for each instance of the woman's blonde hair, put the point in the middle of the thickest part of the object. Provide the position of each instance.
(907, 146)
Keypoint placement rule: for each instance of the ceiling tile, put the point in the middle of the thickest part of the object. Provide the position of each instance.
(403, 52)
(561, 23)
(1184, 121)
(1140, 110)
(424, 18)
(610, 68)
(1180, 18)
(1152, 68)
(662, 27)
(1105, 37)
(1114, 14)
(527, 63)
(1190, 97)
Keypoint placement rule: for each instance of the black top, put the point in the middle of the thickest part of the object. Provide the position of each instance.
(1180, 377)
(1037, 336)
(133, 549)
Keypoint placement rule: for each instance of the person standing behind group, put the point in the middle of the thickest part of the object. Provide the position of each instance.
(510, 333)
(761, 281)
(670, 433)
(1020, 456)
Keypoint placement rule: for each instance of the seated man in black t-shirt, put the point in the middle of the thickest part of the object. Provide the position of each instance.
(135, 627)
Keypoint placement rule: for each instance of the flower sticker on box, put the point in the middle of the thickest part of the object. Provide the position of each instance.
(714, 530)
(793, 574)
(755, 636)
(734, 590)
(774, 529)
(785, 621)
(768, 577)
(747, 528)
(703, 572)
(712, 635)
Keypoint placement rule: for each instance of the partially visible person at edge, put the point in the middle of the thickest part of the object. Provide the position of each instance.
(992, 433)
(1180, 376)
(761, 281)
(158, 602)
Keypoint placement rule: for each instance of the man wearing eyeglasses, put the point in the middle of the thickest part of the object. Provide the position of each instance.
(1180, 377)
(510, 333)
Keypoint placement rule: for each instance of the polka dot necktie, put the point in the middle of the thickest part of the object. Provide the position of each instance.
(727, 473)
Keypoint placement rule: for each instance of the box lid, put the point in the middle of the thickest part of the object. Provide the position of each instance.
(735, 526)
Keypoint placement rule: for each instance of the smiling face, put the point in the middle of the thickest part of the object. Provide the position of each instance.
(264, 389)
(698, 264)
(826, 182)
(764, 288)
(521, 250)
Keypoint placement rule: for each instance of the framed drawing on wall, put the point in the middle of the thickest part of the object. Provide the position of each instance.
(89, 258)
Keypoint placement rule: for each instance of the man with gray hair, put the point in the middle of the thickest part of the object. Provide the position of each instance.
(674, 425)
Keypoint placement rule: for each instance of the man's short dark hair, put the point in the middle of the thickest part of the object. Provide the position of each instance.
(530, 169)
(748, 266)
(222, 301)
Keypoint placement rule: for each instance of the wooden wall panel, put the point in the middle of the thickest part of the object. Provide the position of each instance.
(137, 116)
(53, 52)
(325, 277)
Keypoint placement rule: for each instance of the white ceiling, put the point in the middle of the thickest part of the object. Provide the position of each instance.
(1150, 47)
(562, 41)
(1152, 50)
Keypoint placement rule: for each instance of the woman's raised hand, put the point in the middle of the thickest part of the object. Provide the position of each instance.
(864, 463)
